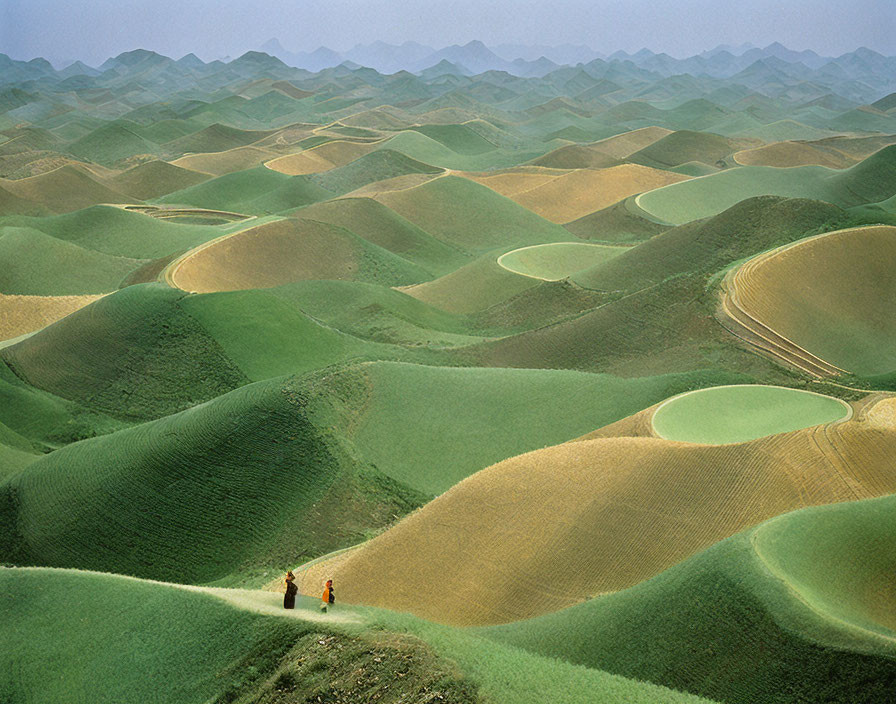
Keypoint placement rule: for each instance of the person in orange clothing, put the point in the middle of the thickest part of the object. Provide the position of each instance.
(289, 599)
(328, 598)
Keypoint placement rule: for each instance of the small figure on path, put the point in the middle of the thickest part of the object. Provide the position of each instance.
(328, 597)
(289, 599)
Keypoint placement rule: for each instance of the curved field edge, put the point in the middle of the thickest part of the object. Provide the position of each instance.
(576, 257)
(220, 645)
(735, 313)
(721, 415)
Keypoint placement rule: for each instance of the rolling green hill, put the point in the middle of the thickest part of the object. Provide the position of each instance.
(36, 263)
(385, 228)
(376, 166)
(259, 482)
(133, 354)
(120, 233)
(254, 191)
(487, 220)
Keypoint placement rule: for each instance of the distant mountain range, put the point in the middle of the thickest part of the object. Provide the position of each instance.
(724, 75)
(521, 60)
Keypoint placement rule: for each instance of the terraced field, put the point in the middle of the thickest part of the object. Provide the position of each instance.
(806, 304)
(578, 380)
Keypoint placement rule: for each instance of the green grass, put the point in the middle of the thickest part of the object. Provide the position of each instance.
(467, 215)
(731, 414)
(134, 354)
(121, 233)
(125, 640)
(472, 288)
(251, 481)
(214, 138)
(376, 166)
(47, 421)
(791, 611)
(429, 150)
(255, 191)
(560, 260)
(266, 334)
(385, 228)
(38, 264)
(459, 138)
(156, 178)
(749, 227)
(684, 146)
(616, 223)
(112, 142)
(378, 313)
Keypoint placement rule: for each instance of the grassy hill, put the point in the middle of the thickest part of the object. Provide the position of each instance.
(376, 166)
(385, 228)
(156, 178)
(244, 483)
(413, 414)
(458, 138)
(585, 191)
(788, 154)
(487, 220)
(683, 146)
(112, 142)
(797, 614)
(556, 261)
(121, 233)
(254, 191)
(265, 334)
(70, 187)
(730, 414)
(132, 354)
(381, 314)
(214, 138)
(226, 162)
(38, 264)
(752, 225)
(615, 223)
(658, 313)
(24, 314)
(472, 288)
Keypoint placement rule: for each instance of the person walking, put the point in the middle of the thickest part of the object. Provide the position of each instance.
(328, 598)
(289, 599)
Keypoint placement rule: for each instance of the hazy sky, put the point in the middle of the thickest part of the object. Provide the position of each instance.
(93, 30)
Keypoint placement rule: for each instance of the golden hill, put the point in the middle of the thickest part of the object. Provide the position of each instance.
(551, 528)
(823, 304)
(226, 162)
(584, 191)
(786, 154)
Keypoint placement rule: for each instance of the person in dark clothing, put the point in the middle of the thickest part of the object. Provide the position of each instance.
(289, 599)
